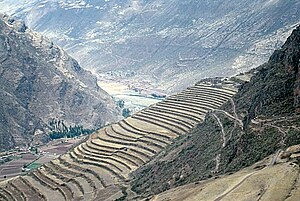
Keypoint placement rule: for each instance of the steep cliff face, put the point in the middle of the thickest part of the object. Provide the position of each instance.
(293, 63)
(39, 81)
(274, 90)
(263, 117)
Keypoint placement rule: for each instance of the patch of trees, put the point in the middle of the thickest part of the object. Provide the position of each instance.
(60, 130)
(5, 159)
(125, 111)
(158, 96)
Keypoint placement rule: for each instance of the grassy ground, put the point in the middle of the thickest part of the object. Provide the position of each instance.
(33, 166)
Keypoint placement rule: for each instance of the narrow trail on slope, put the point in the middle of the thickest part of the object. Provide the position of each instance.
(284, 133)
(234, 187)
(234, 109)
(240, 122)
(218, 157)
(237, 121)
(222, 130)
(275, 158)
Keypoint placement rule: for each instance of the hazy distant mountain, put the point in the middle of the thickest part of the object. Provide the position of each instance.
(163, 41)
(38, 82)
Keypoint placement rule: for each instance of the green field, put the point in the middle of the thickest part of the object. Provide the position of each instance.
(33, 166)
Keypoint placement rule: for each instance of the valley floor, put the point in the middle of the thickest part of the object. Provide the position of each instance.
(24, 160)
(136, 96)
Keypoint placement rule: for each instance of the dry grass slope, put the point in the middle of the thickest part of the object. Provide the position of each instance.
(262, 181)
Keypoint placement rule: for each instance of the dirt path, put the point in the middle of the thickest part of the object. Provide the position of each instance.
(222, 130)
(234, 187)
(218, 157)
(284, 134)
(234, 108)
(275, 158)
(240, 122)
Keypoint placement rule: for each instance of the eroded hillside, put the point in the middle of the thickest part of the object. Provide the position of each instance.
(39, 81)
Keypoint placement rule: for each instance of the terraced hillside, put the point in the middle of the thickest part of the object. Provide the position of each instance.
(99, 168)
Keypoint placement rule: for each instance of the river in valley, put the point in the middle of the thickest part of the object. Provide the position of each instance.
(135, 98)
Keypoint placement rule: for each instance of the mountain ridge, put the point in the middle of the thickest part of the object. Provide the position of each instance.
(39, 80)
(174, 40)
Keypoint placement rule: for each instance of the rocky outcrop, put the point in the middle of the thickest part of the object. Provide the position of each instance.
(274, 90)
(293, 62)
(39, 81)
(261, 119)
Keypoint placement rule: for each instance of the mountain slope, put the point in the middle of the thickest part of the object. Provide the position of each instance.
(162, 41)
(262, 181)
(260, 119)
(100, 167)
(39, 81)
